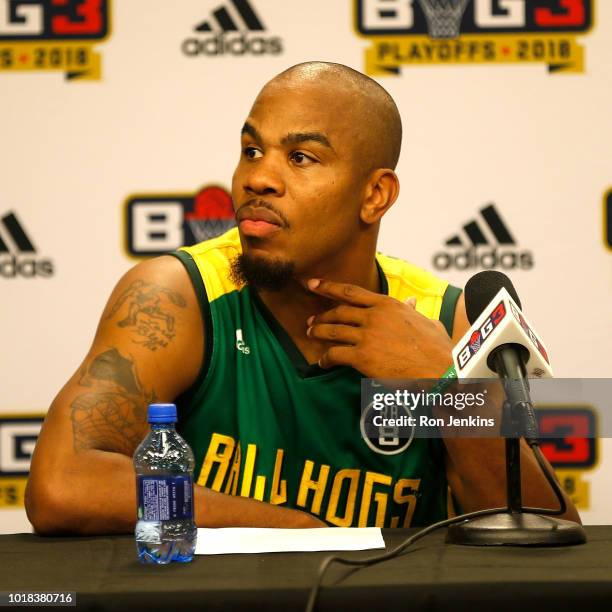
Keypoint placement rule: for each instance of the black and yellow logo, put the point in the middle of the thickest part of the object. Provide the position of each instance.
(53, 35)
(18, 436)
(446, 32)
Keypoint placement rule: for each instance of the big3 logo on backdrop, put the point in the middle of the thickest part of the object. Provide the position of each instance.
(18, 436)
(158, 223)
(418, 32)
(569, 441)
(53, 35)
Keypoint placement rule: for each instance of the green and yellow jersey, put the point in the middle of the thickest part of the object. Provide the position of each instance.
(265, 424)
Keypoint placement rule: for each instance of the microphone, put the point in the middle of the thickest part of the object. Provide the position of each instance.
(500, 340)
(501, 343)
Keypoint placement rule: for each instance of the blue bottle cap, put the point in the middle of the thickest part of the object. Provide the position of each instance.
(162, 413)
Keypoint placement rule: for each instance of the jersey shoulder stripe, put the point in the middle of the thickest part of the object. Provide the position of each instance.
(213, 259)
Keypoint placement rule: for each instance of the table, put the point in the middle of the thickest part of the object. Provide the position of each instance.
(434, 576)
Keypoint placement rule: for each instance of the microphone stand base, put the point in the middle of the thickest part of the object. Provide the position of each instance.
(516, 529)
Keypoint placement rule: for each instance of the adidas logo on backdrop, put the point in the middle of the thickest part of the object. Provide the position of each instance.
(486, 244)
(233, 29)
(18, 253)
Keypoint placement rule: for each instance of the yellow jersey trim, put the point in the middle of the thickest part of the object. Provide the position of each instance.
(213, 259)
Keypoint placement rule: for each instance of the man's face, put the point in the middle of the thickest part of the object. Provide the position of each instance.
(297, 188)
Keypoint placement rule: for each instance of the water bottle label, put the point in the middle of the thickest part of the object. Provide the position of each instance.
(163, 498)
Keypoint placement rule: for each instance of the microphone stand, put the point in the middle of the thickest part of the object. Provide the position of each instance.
(518, 525)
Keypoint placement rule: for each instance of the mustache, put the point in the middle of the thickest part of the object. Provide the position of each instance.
(255, 203)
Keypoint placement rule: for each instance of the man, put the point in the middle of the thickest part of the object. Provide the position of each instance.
(261, 336)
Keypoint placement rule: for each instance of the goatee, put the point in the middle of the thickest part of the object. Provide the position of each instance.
(261, 273)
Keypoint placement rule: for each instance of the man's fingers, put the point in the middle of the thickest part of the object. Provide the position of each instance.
(346, 334)
(338, 355)
(411, 301)
(349, 315)
(344, 292)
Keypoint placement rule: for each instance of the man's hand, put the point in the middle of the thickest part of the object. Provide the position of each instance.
(377, 334)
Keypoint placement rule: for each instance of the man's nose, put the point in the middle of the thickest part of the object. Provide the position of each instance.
(263, 178)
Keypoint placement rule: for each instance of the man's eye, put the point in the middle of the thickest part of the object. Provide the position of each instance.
(252, 152)
(301, 159)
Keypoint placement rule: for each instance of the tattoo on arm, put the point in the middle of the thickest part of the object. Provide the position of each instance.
(144, 307)
(111, 418)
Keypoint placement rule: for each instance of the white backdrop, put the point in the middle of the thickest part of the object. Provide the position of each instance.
(535, 144)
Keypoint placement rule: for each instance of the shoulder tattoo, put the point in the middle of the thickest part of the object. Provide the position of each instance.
(146, 308)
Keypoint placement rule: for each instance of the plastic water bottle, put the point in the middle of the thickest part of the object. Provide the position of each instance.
(164, 464)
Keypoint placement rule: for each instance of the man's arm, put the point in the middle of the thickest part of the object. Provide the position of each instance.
(148, 347)
(476, 467)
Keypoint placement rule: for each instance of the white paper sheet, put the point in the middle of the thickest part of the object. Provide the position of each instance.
(234, 540)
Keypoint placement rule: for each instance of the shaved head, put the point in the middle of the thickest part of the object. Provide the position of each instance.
(316, 174)
(374, 118)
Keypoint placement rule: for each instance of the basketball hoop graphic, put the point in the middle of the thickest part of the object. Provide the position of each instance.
(443, 17)
(452, 32)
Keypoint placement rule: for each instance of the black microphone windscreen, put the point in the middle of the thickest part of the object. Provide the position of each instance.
(482, 288)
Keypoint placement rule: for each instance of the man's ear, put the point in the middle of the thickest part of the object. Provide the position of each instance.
(381, 192)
